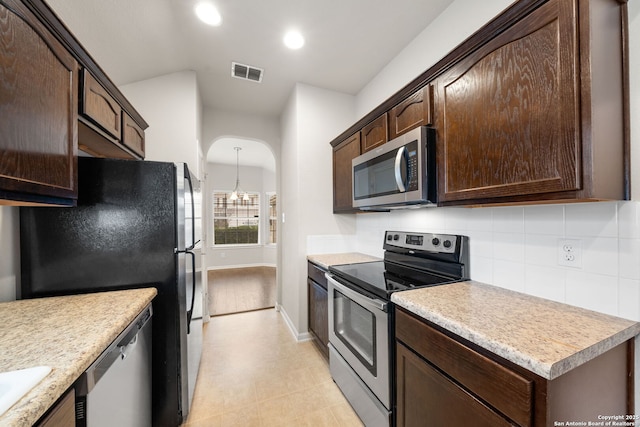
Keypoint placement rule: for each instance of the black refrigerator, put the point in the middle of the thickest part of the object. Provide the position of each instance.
(134, 226)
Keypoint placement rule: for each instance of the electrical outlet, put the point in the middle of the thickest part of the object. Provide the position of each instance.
(570, 253)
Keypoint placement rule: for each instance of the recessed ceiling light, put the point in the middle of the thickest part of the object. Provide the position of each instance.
(208, 14)
(293, 39)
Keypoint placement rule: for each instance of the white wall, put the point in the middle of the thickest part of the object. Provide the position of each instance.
(311, 119)
(218, 124)
(171, 106)
(461, 19)
(517, 248)
(289, 254)
(252, 179)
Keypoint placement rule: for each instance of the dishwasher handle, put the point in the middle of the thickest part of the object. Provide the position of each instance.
(127, 347)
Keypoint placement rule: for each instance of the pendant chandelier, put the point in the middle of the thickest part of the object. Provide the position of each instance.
(237, 190)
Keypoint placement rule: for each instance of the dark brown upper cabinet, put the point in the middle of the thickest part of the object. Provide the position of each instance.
(38, 119)
(531, 108)
(416, 110)
(374, 134)
(537, 112)
(343, 154)
(100, 107)
(132, 135)
(46, 114)
(106, 130)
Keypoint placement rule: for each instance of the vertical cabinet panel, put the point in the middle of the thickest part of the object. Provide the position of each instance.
(343, 154)
(38, 109)
(318, 315)
(508, 114)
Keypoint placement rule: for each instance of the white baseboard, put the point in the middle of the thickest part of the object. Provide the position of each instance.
(299, 337)
(229, 267)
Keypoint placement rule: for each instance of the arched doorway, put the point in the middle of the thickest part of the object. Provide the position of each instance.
(241, 253)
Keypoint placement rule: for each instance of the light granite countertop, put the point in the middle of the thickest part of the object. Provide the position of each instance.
(66, 333)
(326, 260)
(543, 336)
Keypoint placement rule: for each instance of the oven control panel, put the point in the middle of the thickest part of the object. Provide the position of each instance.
(442, 243)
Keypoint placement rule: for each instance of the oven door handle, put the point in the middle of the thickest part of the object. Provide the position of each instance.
(363, 300)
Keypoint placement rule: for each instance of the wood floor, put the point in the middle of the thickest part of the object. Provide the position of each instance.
(238, 290)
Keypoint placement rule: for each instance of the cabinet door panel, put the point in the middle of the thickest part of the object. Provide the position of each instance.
(416, 110)
(99, 106)
(38, 119)
(509, 113)
(497, 385)
(132, 135)
(425, 397)
(374, 134)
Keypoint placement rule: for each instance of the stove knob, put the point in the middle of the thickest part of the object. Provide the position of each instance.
(435, 241)
(396, 237)
(389, 237)
(447, 244)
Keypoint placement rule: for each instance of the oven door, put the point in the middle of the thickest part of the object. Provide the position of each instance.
(359, 331)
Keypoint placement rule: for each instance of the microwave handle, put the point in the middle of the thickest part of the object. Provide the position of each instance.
(400, 155)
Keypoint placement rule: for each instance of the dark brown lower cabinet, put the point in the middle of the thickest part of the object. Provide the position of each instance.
(318, 307)
(444, 380)
(429, 398)
(63, 413)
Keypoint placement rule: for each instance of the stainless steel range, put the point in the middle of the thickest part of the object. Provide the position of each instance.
(361, 325)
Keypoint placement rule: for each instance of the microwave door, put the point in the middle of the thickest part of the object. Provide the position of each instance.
(375, 177)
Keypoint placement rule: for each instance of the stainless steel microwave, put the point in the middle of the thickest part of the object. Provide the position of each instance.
(399, 174)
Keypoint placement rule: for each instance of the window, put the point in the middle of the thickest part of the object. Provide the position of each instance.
(236, 222)
(273, 218)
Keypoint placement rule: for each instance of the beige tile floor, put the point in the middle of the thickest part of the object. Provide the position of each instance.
(254, 373)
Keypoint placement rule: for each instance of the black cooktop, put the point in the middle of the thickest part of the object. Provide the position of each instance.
(375, 278)
(412, 260)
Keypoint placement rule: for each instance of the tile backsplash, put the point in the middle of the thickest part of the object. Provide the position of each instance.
(519, 248)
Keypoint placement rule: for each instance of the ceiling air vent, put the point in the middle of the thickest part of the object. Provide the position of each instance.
(246, 72)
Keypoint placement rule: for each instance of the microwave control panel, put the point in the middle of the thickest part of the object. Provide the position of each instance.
(412, 165)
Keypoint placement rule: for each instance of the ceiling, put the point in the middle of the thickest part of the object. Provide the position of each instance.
(347, 43)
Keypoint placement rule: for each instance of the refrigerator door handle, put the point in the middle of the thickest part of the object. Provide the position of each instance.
(193, 289)
(193, 213)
